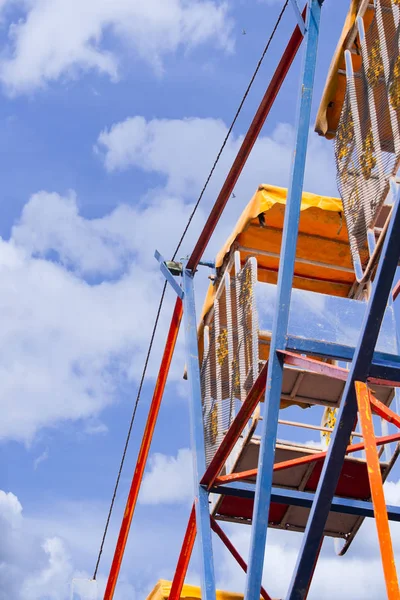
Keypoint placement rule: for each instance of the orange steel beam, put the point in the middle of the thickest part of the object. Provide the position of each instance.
(303, 460)
(249, 140)
(184, 557)
(377, 494)
(144, 449)
(383, 411)
(224, 538)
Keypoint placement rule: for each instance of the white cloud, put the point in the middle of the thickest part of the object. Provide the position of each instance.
(183, 151)
(105, 246)
(65, 345)
(172, 147)
(43, 552)
(41, 458)
(281, 556)
(61, 38)
(169, 480)
(36, 564)
(52, 580)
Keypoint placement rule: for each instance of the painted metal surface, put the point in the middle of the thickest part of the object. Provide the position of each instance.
(249, 140)
(359, 371)
(144, 449)
(305, 499)
(168, 275)
(281, 318)
(304, 460)
(300, 20)
(184, 557)
(197, 441)
(384, 412)
(381, 360)
(377, 494)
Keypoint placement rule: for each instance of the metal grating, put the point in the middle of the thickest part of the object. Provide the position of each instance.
(367, 144)
(230, 360)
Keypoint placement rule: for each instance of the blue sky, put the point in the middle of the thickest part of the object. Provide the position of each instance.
(111, 115)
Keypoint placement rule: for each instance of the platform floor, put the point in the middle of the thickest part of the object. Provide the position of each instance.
(353, 483)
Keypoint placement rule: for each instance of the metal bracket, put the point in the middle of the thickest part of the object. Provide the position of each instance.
(169, 271)
(299, 17)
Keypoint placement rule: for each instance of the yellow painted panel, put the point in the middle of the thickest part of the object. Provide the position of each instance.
(189, 592)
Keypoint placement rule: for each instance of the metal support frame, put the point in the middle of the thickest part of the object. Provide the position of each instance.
(376, 485)
(359, 371)
(144, 450)
(299, 17)
(184, 557)
(168, 275)
(250, 138)
(305, 499)
(366, 365)
(278, 340)
(304, 460)
(197, 441)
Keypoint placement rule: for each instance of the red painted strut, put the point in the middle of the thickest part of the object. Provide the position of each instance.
(144, 449)
(251, 136)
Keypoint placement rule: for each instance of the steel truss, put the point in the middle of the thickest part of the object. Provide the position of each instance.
(366, 366)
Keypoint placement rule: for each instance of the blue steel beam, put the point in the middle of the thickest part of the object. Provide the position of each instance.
(197, 441)
(359, 370)
(279, 330)
(305, 500)
(381, 362)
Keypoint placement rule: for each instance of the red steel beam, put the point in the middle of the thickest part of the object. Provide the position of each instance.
(396, 291)
(144, 449)
(184, 557)
(304, 460)
(377, 494)
(236, 428)
(321, 368)
(314, 366)
(224, 538)
(247, 145)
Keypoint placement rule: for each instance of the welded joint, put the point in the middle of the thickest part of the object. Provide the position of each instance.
(169, 269)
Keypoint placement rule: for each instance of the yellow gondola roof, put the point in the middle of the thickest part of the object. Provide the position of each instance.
(323, 260)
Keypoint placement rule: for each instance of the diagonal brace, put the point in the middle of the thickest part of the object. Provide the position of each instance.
(377, 493)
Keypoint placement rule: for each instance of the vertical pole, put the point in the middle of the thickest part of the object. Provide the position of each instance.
(377, 494)
(144, 450)
(278, 340)
(348, 408)
(184, 557)
(197, 439)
